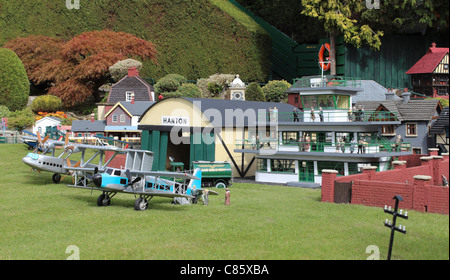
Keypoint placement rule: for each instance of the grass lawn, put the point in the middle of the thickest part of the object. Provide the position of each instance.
(39, 220)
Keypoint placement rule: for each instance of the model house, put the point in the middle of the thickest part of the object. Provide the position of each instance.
(42, 124)
(430, 74)
(130, 88)
(416, 117)
(122, 120)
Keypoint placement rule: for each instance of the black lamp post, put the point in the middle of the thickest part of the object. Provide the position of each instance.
(392, 226)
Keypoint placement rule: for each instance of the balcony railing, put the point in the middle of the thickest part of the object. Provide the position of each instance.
(325, 116)
(328, 81)
(323, 147)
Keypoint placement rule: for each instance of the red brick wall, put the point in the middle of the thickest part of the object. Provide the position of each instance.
(378, 188)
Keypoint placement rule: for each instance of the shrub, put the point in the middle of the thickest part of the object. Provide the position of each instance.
(120, 69)
(14, 84)
(169, 83)
(189, 90)
(215, 85)
(46, 103)
(275, 91)
(254, 92)
(21, 119)
(4, 112)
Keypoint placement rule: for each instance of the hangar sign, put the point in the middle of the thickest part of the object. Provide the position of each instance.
(175, 121)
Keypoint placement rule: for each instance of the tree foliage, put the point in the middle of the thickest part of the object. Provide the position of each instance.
(396, 16)
(194, 38)
(276, 91)
(120, 69)
(339, 16)
(254, 92)
(14, 85)
(75, 70)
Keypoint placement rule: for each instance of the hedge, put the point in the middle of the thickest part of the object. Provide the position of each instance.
(194, 38)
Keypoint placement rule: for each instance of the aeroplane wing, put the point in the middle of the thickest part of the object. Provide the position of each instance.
(209, 192)
(83, 169)
(164, 174)
(152, 192)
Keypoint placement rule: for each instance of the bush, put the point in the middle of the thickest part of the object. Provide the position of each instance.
(169, 83)
(4, 112)
(14, 84)
(275, 91)
(120, 69)
(21, 119)
(189, 90)
(254, 92)
(215, 85)
(46, 103)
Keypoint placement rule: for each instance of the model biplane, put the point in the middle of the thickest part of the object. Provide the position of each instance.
(135, 179)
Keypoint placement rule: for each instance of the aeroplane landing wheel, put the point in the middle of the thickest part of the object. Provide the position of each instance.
(103, 200)
(140, 204)
(56, 178)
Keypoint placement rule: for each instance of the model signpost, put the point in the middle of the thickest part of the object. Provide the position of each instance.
(392, 224)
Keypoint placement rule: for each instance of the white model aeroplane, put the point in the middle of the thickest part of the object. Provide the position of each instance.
(60, 164)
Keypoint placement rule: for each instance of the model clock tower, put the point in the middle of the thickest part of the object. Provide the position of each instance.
(237, 89)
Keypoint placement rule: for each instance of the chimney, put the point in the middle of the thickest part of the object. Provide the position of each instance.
(389, 95)
(433, 45)
(406, 96)
(133, 71)
(92, 117)
(132, 97)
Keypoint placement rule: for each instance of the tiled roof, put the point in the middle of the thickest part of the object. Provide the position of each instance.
(413, 110)
(428, 62)
(88, 126)
(442, 123)
(142, 90)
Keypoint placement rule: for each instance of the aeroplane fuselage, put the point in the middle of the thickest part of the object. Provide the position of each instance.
(116, 180)
(45, 163)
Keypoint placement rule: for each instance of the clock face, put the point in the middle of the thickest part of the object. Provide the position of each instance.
(238, 95)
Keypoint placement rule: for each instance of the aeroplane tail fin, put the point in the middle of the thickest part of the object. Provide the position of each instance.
(196, 183)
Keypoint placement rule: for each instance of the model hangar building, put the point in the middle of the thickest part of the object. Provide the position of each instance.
(263, 140)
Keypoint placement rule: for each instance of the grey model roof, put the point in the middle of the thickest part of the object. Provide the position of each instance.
(372, 91)
(232, 113)
(440, 126)
(138, 108)
(88, 126)
(142, 90)
(413, 110)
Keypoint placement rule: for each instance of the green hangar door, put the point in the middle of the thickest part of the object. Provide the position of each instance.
(186, 148)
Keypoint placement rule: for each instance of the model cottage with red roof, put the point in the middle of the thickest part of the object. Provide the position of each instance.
(430, 74)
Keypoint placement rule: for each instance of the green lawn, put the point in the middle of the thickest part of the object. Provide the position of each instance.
(39, 220)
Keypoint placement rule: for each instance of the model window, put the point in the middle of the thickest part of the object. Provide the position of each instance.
(128, 96)
(262, 164)
(114, 118)
(282, 166)
(109, 171)
(411, 129)
(116, 172)
(122, 118)
(388, 129)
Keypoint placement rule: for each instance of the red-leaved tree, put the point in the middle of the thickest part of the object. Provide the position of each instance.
(76, 69)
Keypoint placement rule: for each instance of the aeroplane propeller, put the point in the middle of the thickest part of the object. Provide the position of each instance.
(71, 172)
